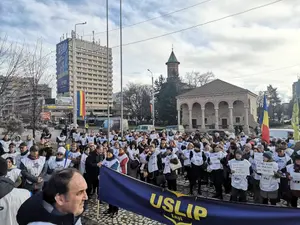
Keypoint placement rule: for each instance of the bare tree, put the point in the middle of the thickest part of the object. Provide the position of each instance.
(12, 60)
(136, 100)
(196, 79)
(35, 72)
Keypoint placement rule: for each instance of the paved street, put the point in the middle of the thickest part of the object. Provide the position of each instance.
(129, 218)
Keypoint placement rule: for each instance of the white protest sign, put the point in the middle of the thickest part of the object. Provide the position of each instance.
(296, 176)
(265, 168)
(240, 168)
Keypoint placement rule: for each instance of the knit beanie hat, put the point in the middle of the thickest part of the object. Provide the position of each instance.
(3, 167)
(268, 155)
(110, 150)
(238, 152)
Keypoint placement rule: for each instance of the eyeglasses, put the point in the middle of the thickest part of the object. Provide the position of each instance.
(59, 153)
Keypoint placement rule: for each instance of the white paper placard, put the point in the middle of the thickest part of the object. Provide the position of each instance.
(265, 168)
(240, 168)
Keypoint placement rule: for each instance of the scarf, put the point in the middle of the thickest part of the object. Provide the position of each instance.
(24, 153)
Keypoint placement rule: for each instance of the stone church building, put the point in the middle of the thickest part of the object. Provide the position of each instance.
(215, 105)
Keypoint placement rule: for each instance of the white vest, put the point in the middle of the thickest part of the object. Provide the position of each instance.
(186, 154)
(5, 145)
(13, 174)
(152, 164)
(197, 158)
(269, 182)
(167, 168)
(19, 158)
(215, 163)
(62, 140)
(281, 161)
(58, 165)
(12, 155)
(82, 163)
(109, 164)
(34, 167)
(73, 155)
(132, 153)
(239, 181)
(11, 204)
(295, 178)
(91, 139)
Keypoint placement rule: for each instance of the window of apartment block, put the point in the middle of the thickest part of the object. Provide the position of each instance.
(237, 119)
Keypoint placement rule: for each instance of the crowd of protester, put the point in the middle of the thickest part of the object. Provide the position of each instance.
(157, 158)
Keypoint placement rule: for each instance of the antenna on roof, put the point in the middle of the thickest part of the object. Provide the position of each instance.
(93, 37)
(172, 47)
(63, 36)
(67, 35)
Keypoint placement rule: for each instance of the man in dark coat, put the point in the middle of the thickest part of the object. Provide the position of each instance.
(92, 169)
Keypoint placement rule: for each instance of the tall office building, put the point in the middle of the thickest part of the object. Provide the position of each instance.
(296, 88)
(91, 74)
(18, 97)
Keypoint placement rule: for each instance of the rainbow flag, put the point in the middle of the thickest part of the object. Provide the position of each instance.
(81, 104)
(265, 131)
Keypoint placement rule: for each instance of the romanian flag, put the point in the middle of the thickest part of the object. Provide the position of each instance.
(295, 119)
(81, 104)
(265, 131)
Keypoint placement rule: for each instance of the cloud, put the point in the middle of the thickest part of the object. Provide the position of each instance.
(238, 49)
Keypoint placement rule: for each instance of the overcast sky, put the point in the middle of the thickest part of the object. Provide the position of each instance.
(251, 50)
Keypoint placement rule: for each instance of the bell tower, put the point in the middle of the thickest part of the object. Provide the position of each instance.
(172, 66)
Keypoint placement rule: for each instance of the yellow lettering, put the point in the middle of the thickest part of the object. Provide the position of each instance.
(159, 201)
(199, 212)
(168, 207)
(189, 211)
(177, 208)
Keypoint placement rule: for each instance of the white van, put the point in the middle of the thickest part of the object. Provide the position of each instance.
(145, 128)
(175, 128)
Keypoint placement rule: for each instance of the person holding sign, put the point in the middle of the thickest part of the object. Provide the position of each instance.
(269, 184)
(293, 174)
(282, 159)
(216, 168)
(240, 170)
(255, 161)
(198, 163)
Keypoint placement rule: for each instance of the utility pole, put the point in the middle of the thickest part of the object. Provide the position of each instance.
(107, 72)
(121, 68)
(74, 75)
(153, 111)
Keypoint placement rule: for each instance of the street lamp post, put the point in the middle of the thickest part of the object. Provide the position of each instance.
(74, 75)
(121, 68)
(107, 73)
(153, 112)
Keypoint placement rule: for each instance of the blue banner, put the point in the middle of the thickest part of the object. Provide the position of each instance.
(62, 66)
(175, 208)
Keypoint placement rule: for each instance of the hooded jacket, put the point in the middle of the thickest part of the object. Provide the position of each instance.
(11, 199)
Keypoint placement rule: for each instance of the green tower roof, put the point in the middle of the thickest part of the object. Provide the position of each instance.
(172, 58)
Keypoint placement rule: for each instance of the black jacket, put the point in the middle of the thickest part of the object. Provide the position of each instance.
(34, 210)
(91, 162)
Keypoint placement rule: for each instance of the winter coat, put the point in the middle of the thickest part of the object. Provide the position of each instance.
(43, 213)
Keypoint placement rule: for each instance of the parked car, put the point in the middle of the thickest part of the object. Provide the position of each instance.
(281, 133)
(175, 128)
(221, 132)
(145, 128)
